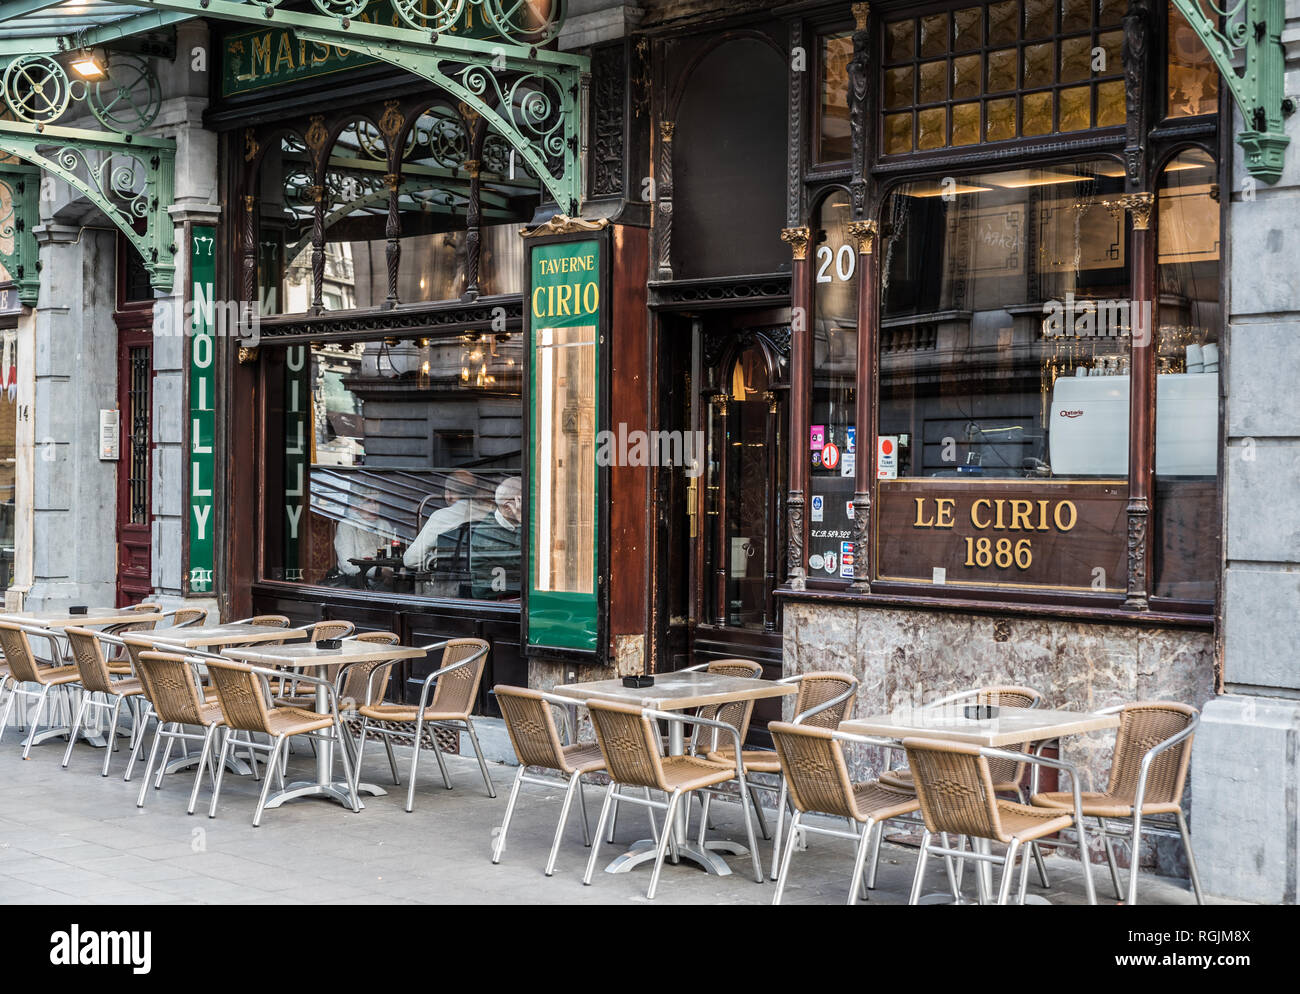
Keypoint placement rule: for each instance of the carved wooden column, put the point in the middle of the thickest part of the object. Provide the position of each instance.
(248, 251)
(393, 232)
(477, 131)
(316, 137)
(664, 192)
(722, 556)
(1138, 204)
(800, 396)
(1142, 399)
(864, 233)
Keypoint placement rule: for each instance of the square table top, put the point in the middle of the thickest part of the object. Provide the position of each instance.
(676, 691)
(93, 616)
(1012, 726)
(299, 655)
(219, 635)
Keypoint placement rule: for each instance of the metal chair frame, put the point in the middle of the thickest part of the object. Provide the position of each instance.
(421, 722)
(573, 784)
(57, 658)
(1007, 861)
(175, 733)
(667, 840)
(1133, 835)
(862, 835)
(112, 703)
(265, 674)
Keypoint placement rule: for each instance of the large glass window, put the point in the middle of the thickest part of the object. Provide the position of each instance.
(1192, 77)
(400, 466)
(1004, 353)
(834, 143)
(1186, 514)
(999, 71)
(832, 433)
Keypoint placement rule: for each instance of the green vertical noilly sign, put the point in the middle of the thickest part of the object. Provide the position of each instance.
(203, 276)
(564, 297)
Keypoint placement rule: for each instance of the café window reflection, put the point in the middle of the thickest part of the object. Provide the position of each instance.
(1004, 359)
(400, 466)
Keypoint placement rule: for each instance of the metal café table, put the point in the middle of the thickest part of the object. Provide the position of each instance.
(307, 656)
(678, 692)
(56, 622)
(1011, 728)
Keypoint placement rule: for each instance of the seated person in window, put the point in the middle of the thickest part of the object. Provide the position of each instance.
(494, 551)
(360, 538)
(437, 542)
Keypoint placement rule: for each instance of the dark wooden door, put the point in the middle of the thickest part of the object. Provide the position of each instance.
(135, 461)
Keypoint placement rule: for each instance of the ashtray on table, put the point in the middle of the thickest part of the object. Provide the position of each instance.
(981, 712)
(638, 681)
(334, 644)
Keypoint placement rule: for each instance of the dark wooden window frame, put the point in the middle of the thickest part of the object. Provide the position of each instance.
(1164, 138)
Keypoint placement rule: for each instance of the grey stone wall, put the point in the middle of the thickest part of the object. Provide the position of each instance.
(74, 544)
(1247, 757)
(909, 656)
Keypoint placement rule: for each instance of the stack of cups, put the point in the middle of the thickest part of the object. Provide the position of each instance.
(1210, 358)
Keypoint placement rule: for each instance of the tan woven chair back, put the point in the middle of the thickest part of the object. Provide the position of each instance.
(456, 692)
(629, 743)
(187, 616)
(133, 650)
(531, 727)
(171, 685)
(1006, 770)
(331, 630)
(18, 654)
(122, 627)
(358, 685)
(737, 714)
(387, 638)
(270, 620)
(90, 660)
(955, 788)
(814, 768)
(1142, 727)
(239, 691)
(818, 688)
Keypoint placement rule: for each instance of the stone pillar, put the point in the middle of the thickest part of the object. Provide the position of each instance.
(195, 202)
(1246, 763)
(24, 456)
(74, 494)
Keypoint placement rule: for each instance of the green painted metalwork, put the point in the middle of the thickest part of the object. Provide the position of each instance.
(1253, 28)
(129, 178)
(529, 95)
(19, 216)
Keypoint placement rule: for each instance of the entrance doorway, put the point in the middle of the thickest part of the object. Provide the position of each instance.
(134, 319)
(725, 536)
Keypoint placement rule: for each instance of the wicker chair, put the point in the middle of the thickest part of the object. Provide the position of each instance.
(824, 700)
(243, 694)
(531, 726)
(171, 682)
(96, 679)
(1148, 773)
(365, 683)
(454, 686)
(630, 746)
(24, 668)
(186, 617)
(817, 778)
(289, 697)
(1007, 776)
(954, 784)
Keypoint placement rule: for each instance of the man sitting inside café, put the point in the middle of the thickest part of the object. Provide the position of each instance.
(494, 548)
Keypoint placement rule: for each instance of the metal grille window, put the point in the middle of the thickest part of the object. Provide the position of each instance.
(137, 425)
(1002, 71)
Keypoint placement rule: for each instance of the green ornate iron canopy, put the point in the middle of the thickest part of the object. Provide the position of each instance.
(19, 216)
(1252, 28)
(530, 96)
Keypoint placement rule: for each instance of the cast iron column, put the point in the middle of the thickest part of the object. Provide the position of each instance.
(800, 393)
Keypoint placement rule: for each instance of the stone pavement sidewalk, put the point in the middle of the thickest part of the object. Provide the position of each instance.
(70, 836)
